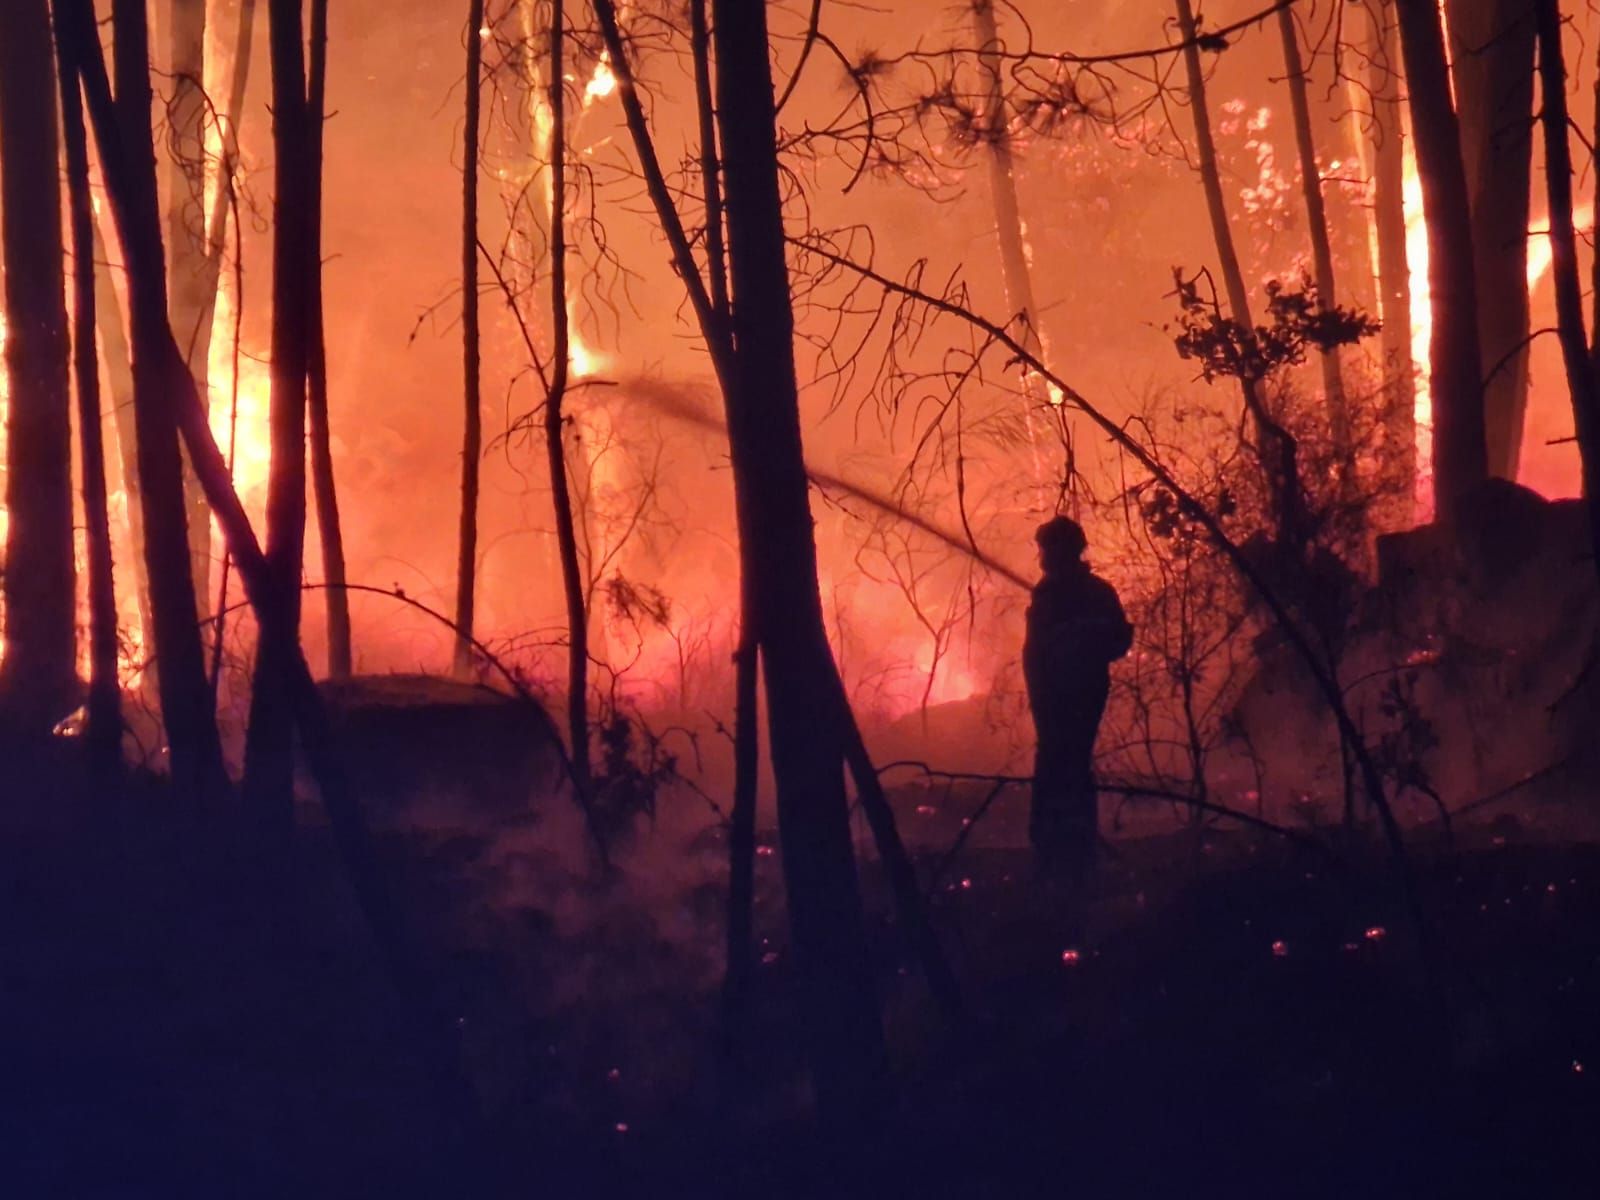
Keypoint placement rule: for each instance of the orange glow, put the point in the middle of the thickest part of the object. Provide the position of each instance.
(601, 84)
(1539, 250)
(1421, 329)
(251, 441)
(5, 513)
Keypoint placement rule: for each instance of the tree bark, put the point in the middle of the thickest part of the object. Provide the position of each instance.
(269, 743)
(1492, 67)
(472, 423)
(1279, 459)
(103, 736)
(1582, 380)
(130, 180)
(329, 533)
(572, 579)
(1317, 229)
(843, 1032)
(1389, 226)
(192, 283)
(1003, 190)
(195, 750)
(1460, 448)
(38, 676)
(739, 968)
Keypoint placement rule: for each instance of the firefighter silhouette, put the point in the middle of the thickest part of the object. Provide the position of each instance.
(1076, 630)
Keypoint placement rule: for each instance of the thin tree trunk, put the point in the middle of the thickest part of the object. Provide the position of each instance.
(38, 675)
(1003, 190)
(1210, 174)
(117, 360)
(196, 751)
(1460, 448)
(1389, 227)
(269, 743)
(572, 582)
(1280, 458)
(1582, 381)
(1492, 67)
(131, 185)
(472, 424)
(329, 533)
(1594, 265)
(217, 222)
(103, 736)
(717, 333)
(188, 272)
(740, 953)
(1317, 228)
(843, 1031)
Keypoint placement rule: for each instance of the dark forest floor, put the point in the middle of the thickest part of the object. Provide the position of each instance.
(1239, 1018)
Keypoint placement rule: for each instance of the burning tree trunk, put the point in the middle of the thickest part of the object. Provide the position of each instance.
(38, 678)
(1389, 226)
(329, 534)
(472, 428)
(104, 733)
(1582, 378)
(269, 749)
(196, 752)
(808, 738)
(1460, 450)
(1492, 67)
(572, 581)
(1317, 227)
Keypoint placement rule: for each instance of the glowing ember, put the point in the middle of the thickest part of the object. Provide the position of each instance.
(1280, 949)
(601, 84)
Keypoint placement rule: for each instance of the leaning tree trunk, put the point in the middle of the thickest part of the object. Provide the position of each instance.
(130, 185)
(1317, 229)
(269, 743)
(1389, 227)
(103, 736)
(842, 1027)
(1582, 381)
(1492, 68)
(196, 751)
(38, 676)
(329, 533)
(1460, 449)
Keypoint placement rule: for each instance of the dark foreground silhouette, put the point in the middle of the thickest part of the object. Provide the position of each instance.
(1231, 1016)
